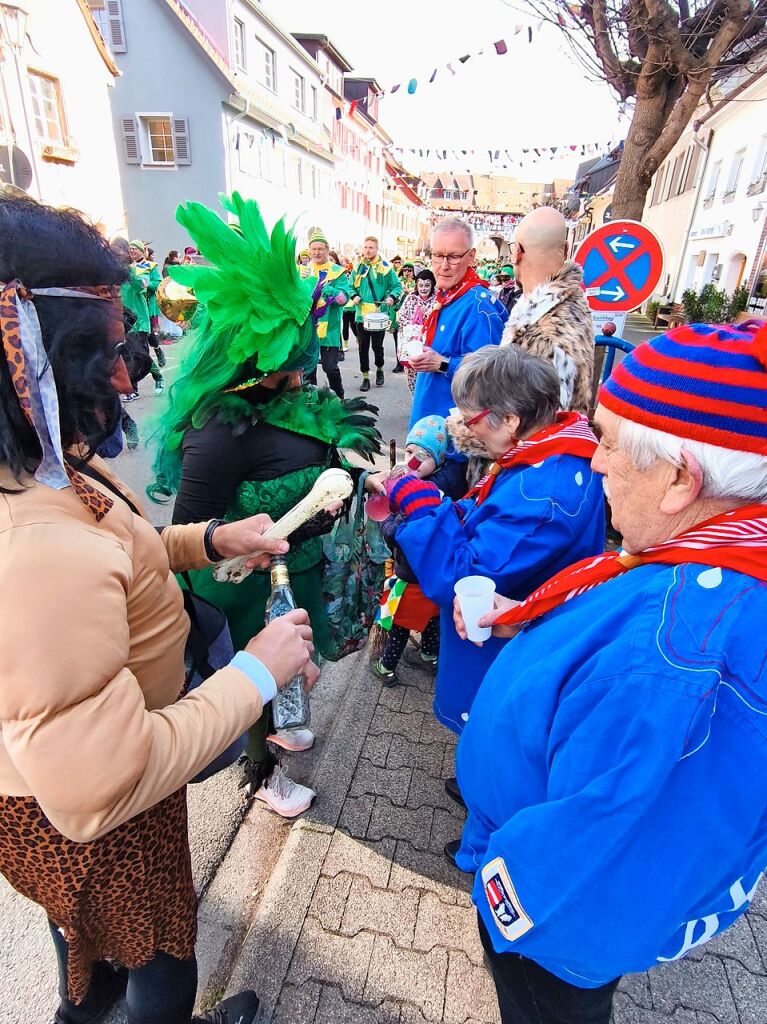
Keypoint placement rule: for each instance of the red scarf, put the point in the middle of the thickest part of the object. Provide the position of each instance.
(470, 280)
(569, 434)
(734, 540)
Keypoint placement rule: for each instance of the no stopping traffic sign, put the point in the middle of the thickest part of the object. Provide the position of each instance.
(622, 265)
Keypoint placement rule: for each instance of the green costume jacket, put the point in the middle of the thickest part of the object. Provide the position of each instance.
(374, 281)
(150, 273)
(134, 298)
(335, 280)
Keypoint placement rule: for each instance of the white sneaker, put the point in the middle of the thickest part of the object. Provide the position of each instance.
(285, 796)
(293, 739)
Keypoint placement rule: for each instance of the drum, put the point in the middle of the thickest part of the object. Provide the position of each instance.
(176, 301)
(376, 321)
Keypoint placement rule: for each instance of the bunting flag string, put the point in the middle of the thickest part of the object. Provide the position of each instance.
(499, 48)
(507, 158)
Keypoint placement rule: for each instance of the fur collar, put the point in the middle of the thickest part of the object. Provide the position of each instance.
(541, 300)
(463, 439)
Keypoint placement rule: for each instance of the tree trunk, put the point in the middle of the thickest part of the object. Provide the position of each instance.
(636, 168)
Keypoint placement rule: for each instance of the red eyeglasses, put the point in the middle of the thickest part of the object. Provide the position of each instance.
(477, 418)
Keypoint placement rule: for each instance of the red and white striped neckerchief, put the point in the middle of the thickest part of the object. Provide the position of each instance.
(734, 540)
(470, 280)
(570, 434)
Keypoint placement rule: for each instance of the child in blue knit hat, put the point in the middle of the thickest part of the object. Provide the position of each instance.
(404, 606)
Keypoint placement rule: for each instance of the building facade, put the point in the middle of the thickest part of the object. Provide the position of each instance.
(708, 201)
(56, 141)
(237, 108)
(242, 105)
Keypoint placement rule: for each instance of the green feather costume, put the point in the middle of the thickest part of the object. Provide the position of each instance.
(255, 317)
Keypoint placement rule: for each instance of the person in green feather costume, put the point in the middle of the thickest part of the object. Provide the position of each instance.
(243, 432)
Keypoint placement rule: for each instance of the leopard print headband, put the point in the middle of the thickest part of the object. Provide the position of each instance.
(33, 382)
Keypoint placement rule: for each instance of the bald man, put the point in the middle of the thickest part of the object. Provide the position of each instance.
(552, 318)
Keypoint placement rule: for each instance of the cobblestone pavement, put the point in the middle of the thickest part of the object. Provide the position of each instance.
(382, 930)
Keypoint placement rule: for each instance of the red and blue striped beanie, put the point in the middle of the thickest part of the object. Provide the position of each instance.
(699, 382)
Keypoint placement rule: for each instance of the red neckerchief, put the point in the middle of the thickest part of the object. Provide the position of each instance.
(735, 540)
(570, 434)
(470, 280)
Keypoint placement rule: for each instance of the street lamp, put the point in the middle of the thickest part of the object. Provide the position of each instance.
(13, 25)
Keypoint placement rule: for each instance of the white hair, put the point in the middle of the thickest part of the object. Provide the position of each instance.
(726, 473)
(456, 224)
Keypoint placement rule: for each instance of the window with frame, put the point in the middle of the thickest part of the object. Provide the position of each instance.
(713, 181)
(268, 66)
(658, 186)
(315, 109)
(299, 92)
(156, 140)
(692, 168)
(159, 138)
(240, 50)
(759, 172)
(735, 171)
(47, 108)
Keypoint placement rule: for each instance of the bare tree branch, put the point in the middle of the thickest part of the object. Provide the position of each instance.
(665, 54)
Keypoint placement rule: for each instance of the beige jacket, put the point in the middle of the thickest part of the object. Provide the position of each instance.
(92, 636)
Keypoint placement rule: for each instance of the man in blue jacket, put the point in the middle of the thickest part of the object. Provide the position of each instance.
(466, 316)
(614, 760)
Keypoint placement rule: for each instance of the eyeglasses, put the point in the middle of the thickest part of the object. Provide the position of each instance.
(451, 259)
(503, 279)
(477, 418)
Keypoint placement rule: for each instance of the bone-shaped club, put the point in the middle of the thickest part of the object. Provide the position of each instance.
(330, 487)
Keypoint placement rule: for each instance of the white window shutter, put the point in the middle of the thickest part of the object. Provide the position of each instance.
(131, 140)
(116, 26)
(181, 141)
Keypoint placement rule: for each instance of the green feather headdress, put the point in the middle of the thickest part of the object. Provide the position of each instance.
(253, 318)
(256, 300)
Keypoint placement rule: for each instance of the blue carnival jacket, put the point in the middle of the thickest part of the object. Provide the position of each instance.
(537, 520)
(614, 767)
(474, 320)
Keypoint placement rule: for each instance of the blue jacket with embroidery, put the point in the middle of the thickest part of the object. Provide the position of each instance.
(614, 767)
(536, 520)
(474, 320)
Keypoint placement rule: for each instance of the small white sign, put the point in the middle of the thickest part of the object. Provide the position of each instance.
(600, 319)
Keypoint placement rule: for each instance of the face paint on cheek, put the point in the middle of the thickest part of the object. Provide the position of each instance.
(413, 463)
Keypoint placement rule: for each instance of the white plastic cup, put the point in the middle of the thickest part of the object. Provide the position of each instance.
(475, 598)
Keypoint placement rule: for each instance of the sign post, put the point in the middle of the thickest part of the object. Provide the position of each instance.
(622, 266)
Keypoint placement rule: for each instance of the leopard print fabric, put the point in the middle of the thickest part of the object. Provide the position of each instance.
(123, 897)
(98, 504)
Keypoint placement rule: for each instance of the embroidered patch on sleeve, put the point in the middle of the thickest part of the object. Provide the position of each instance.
(511, 919)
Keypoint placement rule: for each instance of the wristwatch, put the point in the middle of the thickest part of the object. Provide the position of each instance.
(444, 366)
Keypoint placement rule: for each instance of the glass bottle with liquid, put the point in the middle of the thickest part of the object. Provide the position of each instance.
(290, 708)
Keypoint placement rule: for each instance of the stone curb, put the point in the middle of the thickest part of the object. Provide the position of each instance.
(266, 953)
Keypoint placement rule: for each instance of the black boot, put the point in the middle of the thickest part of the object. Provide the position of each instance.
(365, 385)
(107, 987)
(243, 1008)
(379, 378)
(452, 790)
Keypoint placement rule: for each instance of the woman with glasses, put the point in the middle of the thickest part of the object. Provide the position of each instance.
(538, 509)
